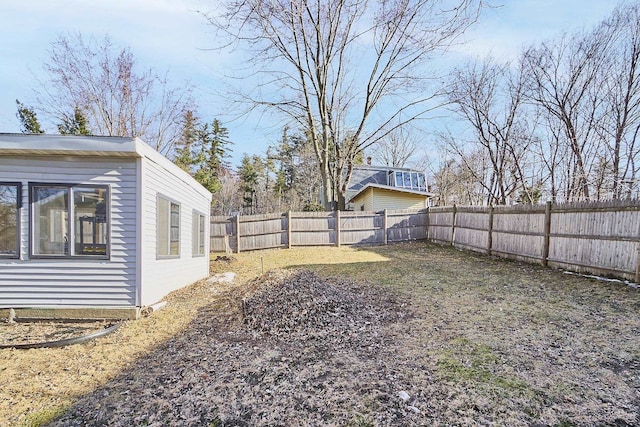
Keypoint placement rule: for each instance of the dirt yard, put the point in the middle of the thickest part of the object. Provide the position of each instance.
(410, 334)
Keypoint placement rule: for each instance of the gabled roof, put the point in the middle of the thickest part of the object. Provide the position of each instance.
(391, 188)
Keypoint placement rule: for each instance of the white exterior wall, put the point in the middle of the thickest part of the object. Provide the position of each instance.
(163, 275)
(74, 282)
(133, 276)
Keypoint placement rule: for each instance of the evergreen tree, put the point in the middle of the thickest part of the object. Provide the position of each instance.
(188, 138)
(76, 125)
(297, 181)
(248, 183)
(213, 141)
(28, 121)
(284, 167)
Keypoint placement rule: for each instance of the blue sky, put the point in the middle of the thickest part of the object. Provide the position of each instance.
(170, 36)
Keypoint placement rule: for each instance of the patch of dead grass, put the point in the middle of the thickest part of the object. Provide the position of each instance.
(38, 384)
(489, 342)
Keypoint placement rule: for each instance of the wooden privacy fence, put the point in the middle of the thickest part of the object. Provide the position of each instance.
(598, 238)
(251, 232)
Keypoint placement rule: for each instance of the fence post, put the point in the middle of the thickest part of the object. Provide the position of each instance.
(490, 231)
(637, 279)
(547, 234)
(384, 227)
(338, 228)
(289, 229)
(428, 221)
(238, 233)
(453, 225)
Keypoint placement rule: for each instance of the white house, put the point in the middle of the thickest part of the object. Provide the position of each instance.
(95, 226)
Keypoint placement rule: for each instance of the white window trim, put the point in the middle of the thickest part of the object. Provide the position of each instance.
(70, 220)
(196, 232)
(170, 202)
(18, 207)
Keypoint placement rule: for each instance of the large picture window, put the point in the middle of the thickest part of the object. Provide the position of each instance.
(69, 220)
(168, 228)
(198, 234)
(9, 220)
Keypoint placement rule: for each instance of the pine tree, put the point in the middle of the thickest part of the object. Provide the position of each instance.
(76, 125)
(283, 155)
(188, 137)
(252, 172)
(28, 120)
(297, 181)
(214, 142)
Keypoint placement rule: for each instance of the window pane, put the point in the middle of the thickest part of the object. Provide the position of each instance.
(194, 234)
(407, 180)
(163, 226)
(90, 226)
(398, 182)
(422, 183)
(202, 235)
(414, 180)
(8, 220)
(198, 234)
(175, 230)
(50, 221)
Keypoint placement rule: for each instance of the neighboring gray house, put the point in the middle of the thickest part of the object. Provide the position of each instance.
(95, 226)
(374, 188)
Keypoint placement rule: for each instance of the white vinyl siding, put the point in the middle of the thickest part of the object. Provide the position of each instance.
(131, 275)
(163, 275)
(74, 282)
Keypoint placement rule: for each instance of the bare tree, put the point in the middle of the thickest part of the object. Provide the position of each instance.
(621, 82)
(396, 148)
(459, 178)
(563, 84)
(489, 96)
(306, 52)
(228, 199)
(116, 99)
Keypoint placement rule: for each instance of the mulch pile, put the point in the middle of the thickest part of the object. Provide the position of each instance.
(307, 310)
(301, 350)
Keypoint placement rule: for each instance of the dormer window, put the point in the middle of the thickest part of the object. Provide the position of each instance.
(408, 179)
